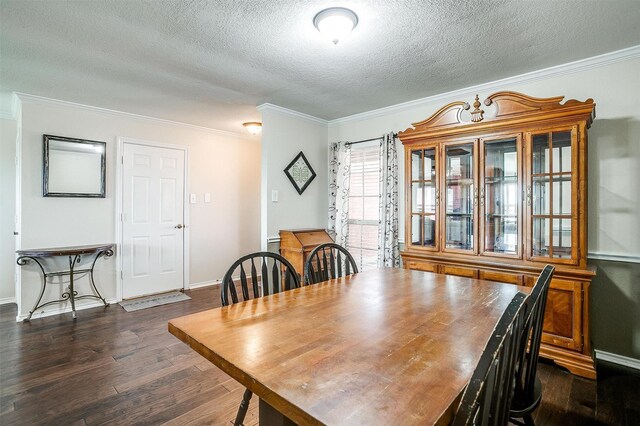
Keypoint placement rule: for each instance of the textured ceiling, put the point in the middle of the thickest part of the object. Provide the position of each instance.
(210, 63)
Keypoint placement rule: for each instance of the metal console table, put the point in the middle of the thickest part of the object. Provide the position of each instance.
(74, 253)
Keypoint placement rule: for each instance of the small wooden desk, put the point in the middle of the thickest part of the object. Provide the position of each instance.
(389, 346)
(297, 244)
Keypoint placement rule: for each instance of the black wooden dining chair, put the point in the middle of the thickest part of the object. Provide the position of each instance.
(528, 389)
(328, 261)
(274, 278)
(280, 276)
(487, 398)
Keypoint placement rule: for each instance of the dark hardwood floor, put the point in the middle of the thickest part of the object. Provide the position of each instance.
(114, 367)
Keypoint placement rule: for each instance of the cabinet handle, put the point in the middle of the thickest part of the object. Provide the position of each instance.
(437, 197)
(475, 196)
(482, 196)
(529, 195)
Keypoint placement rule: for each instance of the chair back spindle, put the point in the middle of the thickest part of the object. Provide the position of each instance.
(254, 279)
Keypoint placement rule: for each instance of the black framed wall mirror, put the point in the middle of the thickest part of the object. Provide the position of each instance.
(73, 167)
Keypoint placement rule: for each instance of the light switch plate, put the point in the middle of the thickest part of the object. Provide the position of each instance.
(207, 197)
(274, 196)
(194, 198)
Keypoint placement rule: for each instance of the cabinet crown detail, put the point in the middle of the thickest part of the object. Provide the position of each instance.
(507, 106)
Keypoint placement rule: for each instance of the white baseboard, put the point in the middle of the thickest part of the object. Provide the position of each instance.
(57, 310)
(618, 359)
(215, 282)
(7, 300)
(204, 284)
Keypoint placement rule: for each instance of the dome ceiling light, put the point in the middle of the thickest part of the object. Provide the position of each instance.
(335, 23)
(253, 127)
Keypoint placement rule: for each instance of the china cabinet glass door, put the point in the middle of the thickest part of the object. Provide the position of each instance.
(499, 196)
(549, 195)
(424, 198)
(460, 196)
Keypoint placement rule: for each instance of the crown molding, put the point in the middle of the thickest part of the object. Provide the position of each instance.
(25, 97)
(543, 74)
(12, 114)
(290, 112)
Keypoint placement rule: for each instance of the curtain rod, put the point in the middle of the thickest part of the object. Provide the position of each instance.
(395, 135)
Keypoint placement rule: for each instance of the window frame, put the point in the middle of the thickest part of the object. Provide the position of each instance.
(364, 148)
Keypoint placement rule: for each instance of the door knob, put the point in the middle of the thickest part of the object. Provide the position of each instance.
(179, 226)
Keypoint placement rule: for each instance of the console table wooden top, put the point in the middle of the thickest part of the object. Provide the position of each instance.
(65, 251)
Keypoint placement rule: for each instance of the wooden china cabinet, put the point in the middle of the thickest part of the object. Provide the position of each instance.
(500, 195)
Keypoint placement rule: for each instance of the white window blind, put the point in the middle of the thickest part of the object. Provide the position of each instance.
(364, 212)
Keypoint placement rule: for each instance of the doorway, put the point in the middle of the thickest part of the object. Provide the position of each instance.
(152, 222)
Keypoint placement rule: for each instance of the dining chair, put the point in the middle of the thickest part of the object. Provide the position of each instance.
(487, 397)
(528, 389)
(328, 261)
(280, 276)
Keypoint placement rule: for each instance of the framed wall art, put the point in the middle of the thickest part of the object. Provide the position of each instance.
(73, 167)
(300, 173)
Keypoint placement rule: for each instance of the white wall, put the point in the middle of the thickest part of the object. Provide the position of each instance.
(284, 135)
(7, 209)
(223, 164)
(614, 143)
(614, 175)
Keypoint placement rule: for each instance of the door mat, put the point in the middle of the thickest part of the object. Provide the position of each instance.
(151, 301)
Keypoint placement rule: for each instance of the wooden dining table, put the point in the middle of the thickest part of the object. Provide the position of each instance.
(386, 346)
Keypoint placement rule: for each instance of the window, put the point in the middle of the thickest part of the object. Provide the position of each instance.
(364, 194)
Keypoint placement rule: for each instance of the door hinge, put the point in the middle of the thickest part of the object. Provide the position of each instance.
(122, 160)
(121, 275)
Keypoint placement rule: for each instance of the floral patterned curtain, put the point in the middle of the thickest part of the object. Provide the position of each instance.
(388, 244)
(339, 175)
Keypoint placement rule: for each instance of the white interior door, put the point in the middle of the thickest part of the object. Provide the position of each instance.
(152, 220)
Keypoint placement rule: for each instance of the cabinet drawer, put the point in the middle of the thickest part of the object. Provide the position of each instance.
(459, 271)
(563, 315)
(529, 280)
(421, 266)
(503, 277)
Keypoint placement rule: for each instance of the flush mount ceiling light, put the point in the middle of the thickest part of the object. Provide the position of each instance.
(335, 23)
(253, 127)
